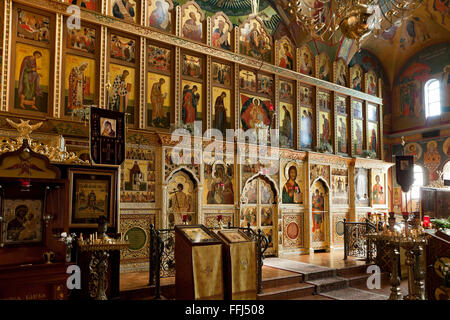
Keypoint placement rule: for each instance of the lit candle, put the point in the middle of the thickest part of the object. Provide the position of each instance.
(426, 221)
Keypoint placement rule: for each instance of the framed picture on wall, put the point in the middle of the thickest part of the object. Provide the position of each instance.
(92, 194)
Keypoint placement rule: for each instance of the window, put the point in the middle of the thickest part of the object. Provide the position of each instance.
(432, 98)
(446, 171)
(418, 182)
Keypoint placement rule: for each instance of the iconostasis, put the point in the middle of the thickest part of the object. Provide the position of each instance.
(168, 66)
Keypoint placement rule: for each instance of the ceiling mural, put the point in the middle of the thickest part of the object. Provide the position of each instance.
(239, 10)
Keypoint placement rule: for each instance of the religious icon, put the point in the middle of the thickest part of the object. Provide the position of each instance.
(23, 221)
(286, 125)
(306, 97)
(220, 185)
(254, 40)
(265, 193)
(340, 186)
(180, 199)
(123, 48)
(373, 136)
(247, 80)
(221, 74)
(291, 190)
(318, 212)
(86, 4)
(324, 100)
(192, 23)
(286, 90)
(191, 102)
(361, 187)
(265, 84)
(159, 58)
(285, 56)
(122, 91)
(252, 192)
(248, 215)
(255, 112)
(432, 160)
(221, 110)
(33, 26)
(269, 234)
(306, 61)
(221, 36)
(79, 83)
(325, 128)
(324, 67)
(306, 128)
(341, 73)
(357, 108)
(192, 66)
(82, 39)
(357, 136)
(372, 113)
(378, 193)
(414, 149)
(108, 127)
(356, 77)
(266, 216)
(159, 100)
(124, 9)
(159, 15)
(32, 77)
(342, 133)
(371, 83)
(341, 104)
(197, 234)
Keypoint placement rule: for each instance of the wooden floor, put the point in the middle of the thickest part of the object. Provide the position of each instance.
(333, 259)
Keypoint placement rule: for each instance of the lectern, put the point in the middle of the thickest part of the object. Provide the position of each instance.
(198, 264)
(239, 254)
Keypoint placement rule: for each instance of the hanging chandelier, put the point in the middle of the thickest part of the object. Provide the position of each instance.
(355, 19)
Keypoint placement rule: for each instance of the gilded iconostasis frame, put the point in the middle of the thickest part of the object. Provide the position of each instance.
(159, 109)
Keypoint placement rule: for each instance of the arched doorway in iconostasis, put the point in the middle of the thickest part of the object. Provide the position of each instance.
(181, 195)
(320, 215)
(259, 208)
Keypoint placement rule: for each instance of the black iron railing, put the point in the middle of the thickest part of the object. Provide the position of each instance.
(162, 255)
(356, 243)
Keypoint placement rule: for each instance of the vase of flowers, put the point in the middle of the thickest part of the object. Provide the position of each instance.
(68, 240)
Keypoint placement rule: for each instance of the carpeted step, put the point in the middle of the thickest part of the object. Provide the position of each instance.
(281, 281)
(313, 297)
(329, 284)
(286, 292)
(309, 271)
(354, 294)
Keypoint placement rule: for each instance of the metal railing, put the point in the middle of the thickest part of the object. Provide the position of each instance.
(162, 255)
(356, 243)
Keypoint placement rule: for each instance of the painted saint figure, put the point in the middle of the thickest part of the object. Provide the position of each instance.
(342, 141)
(157, 100)
(377, 191)
(306, 130)
(220, 188)
(325, 136)
(286, 129)
(159, 18)
(120, 91)
(356, 81)
(306, 64)
(291, 190)
(124, 9)
(29, 81)
(373, 141)
(192, 29)
(180, 200)
(77, 86)
(190, 101)
(220, 37)
(220, 113)
(286, 60)
(318, 205)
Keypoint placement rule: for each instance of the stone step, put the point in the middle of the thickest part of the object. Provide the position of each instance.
(286, 292)
(352, 270)
(313, 297)
(329, 284)
(353, 294)
(281, 281)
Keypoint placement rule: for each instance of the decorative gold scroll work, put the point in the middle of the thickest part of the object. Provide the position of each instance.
(24, 130)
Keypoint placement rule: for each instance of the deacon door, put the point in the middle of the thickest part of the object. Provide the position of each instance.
(259, 209)
(320, 216)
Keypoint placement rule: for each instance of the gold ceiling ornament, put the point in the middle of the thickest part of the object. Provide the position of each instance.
(54, 154)
(355, 19)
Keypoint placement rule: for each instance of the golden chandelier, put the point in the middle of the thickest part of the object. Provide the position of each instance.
(356, 19)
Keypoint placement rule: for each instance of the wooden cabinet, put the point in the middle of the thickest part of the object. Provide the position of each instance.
(435, 202)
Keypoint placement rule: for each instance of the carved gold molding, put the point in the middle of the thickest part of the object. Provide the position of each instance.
(5, 66)
(143, 84)
(103, 67)
(58, 81)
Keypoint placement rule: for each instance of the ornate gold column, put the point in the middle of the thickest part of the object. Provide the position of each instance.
(5, 65)
(209, 102)
(178, 97)
(58, 81)
(103, 75)
(143, 83)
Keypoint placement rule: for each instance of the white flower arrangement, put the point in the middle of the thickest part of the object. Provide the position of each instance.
(67, 238)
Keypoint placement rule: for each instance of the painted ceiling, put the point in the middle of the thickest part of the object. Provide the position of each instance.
(428, 25)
